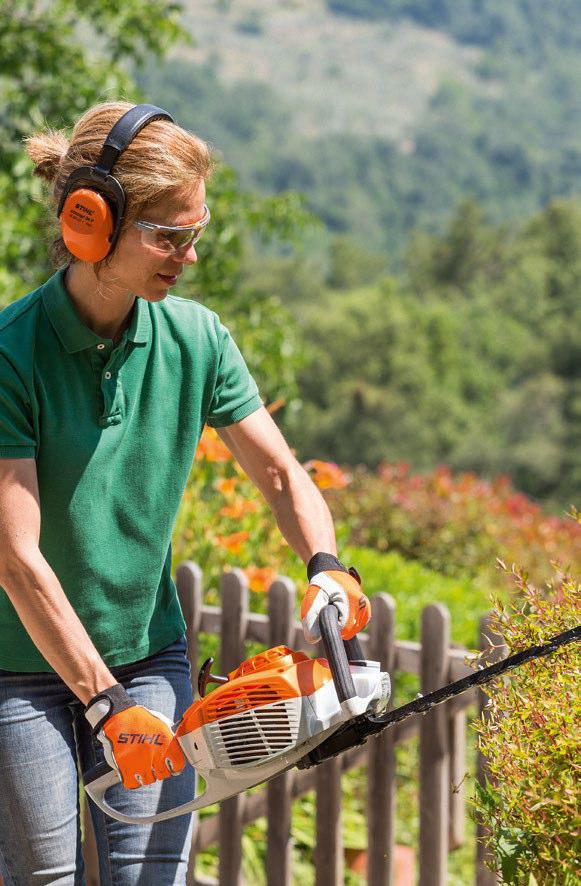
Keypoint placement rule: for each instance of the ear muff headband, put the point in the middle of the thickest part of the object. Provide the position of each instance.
(93, 201)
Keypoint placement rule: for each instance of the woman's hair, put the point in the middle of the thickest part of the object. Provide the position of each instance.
(162, 160)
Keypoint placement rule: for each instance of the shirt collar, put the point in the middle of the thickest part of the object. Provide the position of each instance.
(74, 334)
(140, 329)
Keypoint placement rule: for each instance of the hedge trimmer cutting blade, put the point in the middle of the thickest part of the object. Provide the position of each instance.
(281, 709)
(356, 732)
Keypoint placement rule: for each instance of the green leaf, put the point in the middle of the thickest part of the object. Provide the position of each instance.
(510, 847)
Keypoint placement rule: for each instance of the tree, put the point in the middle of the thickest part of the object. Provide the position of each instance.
(470, 359)
(265, 330)
(57, 59)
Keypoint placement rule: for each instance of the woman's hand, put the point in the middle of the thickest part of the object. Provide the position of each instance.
(139, 743)
(331, 582)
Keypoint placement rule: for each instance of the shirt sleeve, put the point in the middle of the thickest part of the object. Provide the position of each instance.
(235, 393)
(17, 437)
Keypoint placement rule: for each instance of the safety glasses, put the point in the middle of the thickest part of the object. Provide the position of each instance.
(168, 239)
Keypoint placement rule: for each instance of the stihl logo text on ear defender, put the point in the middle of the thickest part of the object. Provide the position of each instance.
(82, 214)
(139, 738)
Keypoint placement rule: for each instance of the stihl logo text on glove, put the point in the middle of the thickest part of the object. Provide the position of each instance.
(139, 738)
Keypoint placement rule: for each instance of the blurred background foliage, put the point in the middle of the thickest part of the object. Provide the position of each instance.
(470, 357)
(410, 284)
(440, 100)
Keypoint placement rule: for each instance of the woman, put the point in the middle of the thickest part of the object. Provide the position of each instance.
(106, 382)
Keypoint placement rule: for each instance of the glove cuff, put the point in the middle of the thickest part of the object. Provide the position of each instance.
(322, 562)
(105, 704)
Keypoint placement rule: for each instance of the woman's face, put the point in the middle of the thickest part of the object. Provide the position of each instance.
(137, 267)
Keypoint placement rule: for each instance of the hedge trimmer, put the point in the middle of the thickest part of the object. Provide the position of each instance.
(281, 709)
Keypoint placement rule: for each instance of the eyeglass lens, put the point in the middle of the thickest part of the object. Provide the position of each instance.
(173, 240)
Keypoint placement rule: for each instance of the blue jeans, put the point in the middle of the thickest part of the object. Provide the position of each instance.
(44, 740)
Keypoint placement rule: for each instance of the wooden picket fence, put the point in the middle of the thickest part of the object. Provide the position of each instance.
(442, 734)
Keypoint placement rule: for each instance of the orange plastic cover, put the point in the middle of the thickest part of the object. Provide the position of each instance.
(275, 675)
(278, 656)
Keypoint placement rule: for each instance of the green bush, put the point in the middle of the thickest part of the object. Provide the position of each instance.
(413, 586)
(531, 803)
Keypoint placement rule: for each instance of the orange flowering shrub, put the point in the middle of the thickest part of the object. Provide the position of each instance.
(455, 524)
(326, 474)
(260, 579)
(232, 543)
(227, 486)
(211, 446)
(224, 521)
(238, 509)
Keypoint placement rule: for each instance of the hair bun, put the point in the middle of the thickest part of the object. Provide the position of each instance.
(47, 151)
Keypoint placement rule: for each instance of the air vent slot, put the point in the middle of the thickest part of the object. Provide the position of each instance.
(256, 734)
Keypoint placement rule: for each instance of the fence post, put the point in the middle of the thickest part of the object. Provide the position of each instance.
(281, 608)
(484, 876)
(234, 591)
(189, 587)
(434, 752)
(90, 855)
(329, 845)
(381, 754)
(457, 810)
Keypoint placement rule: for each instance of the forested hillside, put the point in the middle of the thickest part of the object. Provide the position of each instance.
(531, 28)
(471, 358)
(387, 113)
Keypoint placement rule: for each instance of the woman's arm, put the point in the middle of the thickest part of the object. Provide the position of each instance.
(299, 508)
(34, 589)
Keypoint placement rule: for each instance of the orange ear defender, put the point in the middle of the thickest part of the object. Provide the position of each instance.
(93, 201)
(87, 225)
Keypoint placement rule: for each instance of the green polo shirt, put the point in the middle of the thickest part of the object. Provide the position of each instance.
(114, 430)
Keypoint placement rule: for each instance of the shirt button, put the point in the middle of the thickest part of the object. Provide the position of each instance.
(107, 375)
(100, 347)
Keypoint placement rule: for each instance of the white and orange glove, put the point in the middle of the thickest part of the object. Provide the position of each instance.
(331, 582)
(138, 743)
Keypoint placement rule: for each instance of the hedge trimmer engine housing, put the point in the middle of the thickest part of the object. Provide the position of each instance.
(269, 712)
(264, 718)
